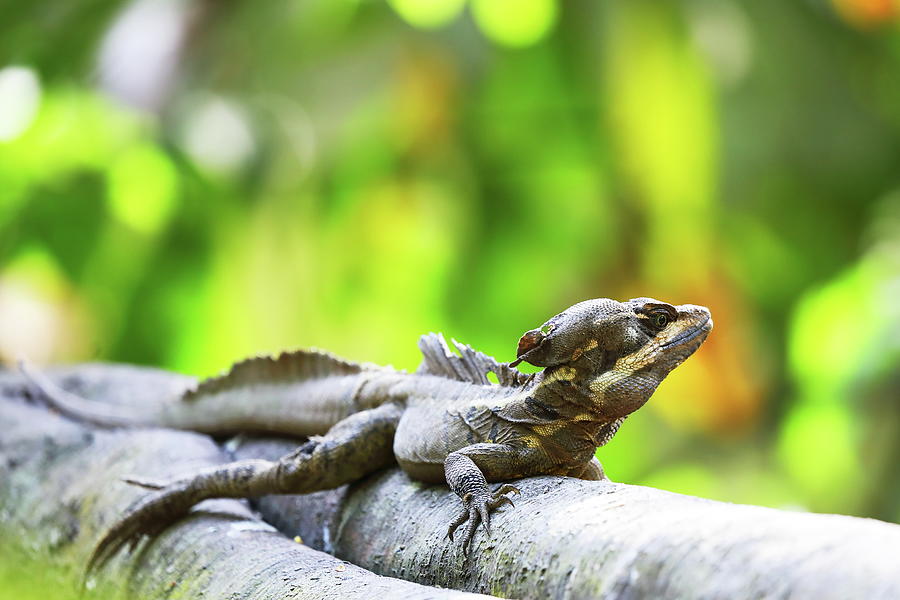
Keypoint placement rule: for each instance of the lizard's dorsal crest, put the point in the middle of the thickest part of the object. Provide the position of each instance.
(470, 366)
(296, 365)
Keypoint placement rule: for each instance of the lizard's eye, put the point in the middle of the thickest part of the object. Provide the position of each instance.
(660, 320)
(546, 329)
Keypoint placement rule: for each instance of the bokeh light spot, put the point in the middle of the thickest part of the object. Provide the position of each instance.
(20, 95)
(515, 23)
(148, 33)
(867, 13)
(142, 189)
(826, 433)
(825, 360)
(722, 33)
(218, 136)
(427, 14)
(39, 318)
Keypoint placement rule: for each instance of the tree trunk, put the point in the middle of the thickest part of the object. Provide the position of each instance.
(61, 488)
(566, 538)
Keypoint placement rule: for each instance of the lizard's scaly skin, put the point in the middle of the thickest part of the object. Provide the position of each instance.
(602, 360)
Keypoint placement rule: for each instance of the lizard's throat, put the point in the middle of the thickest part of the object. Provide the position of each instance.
(581, 390)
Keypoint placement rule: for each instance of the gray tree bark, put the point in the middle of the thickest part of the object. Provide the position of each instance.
(60, 487)
(566, 538)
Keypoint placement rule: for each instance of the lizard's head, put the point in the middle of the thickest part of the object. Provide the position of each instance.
(617, 352)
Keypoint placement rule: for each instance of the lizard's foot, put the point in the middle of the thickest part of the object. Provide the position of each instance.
(169, 501)
(150, 516)
(477, 509)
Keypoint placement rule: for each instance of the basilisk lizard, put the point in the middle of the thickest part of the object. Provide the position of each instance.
(446, 421)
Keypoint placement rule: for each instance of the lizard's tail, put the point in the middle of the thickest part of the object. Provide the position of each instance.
(295, 393)
(81, 409)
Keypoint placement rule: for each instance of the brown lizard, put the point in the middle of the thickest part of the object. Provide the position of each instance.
(602, 360)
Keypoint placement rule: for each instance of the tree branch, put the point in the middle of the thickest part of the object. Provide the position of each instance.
(61, 487)
(566, 538)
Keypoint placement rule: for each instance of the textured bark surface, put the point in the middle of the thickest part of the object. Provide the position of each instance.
(60, 488)
(566, 538)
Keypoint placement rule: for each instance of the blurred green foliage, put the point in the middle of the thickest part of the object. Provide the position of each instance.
(183, 184)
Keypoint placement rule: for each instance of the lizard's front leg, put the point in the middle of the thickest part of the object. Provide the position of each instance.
(593, 471)
(358, 445)
(468, 470)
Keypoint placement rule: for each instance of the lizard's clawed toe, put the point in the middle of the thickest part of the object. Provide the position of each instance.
(459, 520)
(477, 510)
(507, 488)
(500, 501)
(149, 484)
(499, 498)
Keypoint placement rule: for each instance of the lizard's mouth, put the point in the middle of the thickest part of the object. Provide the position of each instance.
(703, 327)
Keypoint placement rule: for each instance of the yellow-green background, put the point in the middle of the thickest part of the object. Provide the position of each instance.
(352, 174)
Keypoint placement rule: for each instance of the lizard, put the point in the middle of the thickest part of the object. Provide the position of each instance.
(447, 422)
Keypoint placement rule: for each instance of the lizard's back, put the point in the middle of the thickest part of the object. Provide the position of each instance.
(442, 416)
(302, 393)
